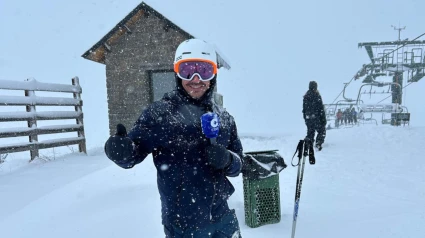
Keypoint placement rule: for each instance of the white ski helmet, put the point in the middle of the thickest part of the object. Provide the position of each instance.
(195, 49)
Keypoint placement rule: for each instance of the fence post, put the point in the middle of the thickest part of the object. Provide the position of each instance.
(32, 123)
(81, 145)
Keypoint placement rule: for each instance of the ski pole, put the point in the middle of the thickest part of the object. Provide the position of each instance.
(304, 148)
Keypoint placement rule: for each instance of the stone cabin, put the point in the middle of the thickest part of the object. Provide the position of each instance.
(138, 54)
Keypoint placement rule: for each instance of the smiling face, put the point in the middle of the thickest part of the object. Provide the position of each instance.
(195, 87)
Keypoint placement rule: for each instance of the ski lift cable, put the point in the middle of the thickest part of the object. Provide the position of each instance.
(344, 89)
(337, 97)
(385, 55)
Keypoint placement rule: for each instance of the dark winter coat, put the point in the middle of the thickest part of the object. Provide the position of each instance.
(313, 109)
(192, 193)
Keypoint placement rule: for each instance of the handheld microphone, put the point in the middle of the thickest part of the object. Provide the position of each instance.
(210, 123)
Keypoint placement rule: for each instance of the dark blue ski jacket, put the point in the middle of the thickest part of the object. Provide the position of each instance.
(313, 109)
(192, 193)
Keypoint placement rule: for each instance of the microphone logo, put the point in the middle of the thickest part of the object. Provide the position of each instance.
(214, 123)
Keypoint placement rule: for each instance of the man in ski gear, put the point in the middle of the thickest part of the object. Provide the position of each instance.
(191, 170)
(339, 118)
(354, 115)
(346, 115)
(314, 115)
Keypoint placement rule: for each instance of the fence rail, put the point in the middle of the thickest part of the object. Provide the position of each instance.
(31, 115)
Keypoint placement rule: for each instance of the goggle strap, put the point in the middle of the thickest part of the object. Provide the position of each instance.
(193, 75)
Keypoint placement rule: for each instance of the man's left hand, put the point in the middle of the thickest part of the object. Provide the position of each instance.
(218, 156)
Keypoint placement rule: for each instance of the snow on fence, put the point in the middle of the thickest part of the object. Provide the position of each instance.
(30, 101)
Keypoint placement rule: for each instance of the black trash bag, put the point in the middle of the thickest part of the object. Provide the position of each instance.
(262, 164)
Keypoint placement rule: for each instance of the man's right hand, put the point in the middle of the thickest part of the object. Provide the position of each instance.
(119, 147)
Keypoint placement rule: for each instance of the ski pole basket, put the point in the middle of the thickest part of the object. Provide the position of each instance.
(261, 187)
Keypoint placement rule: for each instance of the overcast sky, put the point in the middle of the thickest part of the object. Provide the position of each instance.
(274, 47)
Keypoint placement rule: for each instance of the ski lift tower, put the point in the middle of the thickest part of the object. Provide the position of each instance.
(394, 58)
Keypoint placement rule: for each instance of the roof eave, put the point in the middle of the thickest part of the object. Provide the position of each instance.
(122, 27)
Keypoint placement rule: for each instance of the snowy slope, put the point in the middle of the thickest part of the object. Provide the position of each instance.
(368, 182)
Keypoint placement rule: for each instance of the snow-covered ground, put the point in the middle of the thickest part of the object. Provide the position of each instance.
(369, 181)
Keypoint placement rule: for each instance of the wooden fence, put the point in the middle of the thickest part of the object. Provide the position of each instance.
(31, 101)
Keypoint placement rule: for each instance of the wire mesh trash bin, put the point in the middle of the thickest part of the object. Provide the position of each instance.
(261, 187)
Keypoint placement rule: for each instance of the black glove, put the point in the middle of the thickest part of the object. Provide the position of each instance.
(218, 156)
(119, 147)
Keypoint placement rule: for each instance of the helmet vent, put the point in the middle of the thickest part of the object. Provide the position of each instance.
(205, 53)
